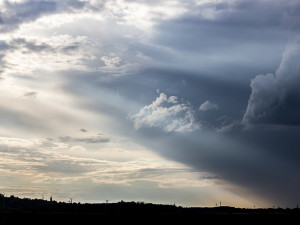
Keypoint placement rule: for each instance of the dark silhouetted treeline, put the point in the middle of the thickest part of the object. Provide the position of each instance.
(14, 210)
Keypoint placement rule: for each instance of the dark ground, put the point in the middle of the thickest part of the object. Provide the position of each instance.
(15, 210)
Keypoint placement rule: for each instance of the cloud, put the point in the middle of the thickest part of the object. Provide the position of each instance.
(139, 14)
(27, 55)
(30, 45)
(144, 14)
(166, 113)
(64, 166)
(115, 66)
(15, 13)
(229, 36)
(30, 168)
(207, 105)
(275, 97)
(30, 94)
(111, 61)
(89, 140)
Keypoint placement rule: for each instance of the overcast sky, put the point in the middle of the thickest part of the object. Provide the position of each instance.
(190, 102)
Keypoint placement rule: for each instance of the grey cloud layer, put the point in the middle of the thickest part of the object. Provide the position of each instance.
(229, 36)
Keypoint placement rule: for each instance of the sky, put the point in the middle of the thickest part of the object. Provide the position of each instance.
(191, 102)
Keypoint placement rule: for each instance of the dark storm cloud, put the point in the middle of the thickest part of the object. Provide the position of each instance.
(275, 98)
(214, 152)
(236, 21)
(256, 13)
(228, 37)
(272, 120)
(261, 161)
(277, 149)
(194, 87)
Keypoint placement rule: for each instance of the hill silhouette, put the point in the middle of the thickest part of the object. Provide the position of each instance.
(15, 210)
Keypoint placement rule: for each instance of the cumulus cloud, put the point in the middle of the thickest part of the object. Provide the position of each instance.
(275, 97)
(207, 105)
(167, 113)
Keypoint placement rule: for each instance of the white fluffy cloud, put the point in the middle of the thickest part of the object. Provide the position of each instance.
(167, 113)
